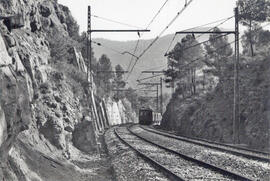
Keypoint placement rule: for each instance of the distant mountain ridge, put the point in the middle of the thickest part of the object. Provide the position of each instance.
(153, 59)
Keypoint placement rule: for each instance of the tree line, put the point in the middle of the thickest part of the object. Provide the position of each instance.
(195, 66)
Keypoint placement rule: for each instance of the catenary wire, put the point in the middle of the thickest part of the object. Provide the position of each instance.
(160, 34)
(206, 54)
(114, 21)
(138, 41)
(112, 49)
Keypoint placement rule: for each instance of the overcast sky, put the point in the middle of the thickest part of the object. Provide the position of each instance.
(140, 12)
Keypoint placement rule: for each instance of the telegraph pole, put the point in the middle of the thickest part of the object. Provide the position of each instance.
(88, 48)
(161, 96)
(89, 40)
(236, 116)
(172, 81)
(157, 99)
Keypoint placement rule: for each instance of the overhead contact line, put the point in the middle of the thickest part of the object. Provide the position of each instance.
(137, 43)
(160, 34)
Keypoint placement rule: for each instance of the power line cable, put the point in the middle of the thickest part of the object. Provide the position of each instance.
(150, 45)
(150, 77)
(153, 68)
(160, 34)
(224, 20)
(136, 47)
(134, 52)
(216, 26)
(196, 27)
(171, 42)
(160, 9)
(114, 21)
(220, 48)
(149, 24)
(196, 45)
(112, 49)
(206, 54)
(192, 46)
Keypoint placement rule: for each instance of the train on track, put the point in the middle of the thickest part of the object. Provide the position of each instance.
(148, 117)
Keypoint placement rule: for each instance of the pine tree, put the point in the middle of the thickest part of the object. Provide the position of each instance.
(251, 14)
(183, 67)
(219, 51)
(104, 73)
(119, 82)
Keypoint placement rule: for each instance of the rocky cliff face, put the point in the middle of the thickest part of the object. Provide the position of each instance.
(44, 105)
(23, 58)
(120, 112)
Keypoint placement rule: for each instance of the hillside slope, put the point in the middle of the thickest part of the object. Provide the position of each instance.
(211, 116)
(153, 59)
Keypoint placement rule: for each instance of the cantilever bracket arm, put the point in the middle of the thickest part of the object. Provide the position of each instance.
(153, 72)
(149, 84)
(205, 32)
(113, 31)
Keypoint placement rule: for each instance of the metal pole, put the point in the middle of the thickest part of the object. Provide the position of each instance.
(161, 96)
(87, 41)
(172, 89)
(236, 120)
(89, 47)
(115, 31)
(87, 56)
(157, 99)
(172, 80)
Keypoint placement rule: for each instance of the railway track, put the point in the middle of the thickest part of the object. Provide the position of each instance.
(174, 164)
(249, 167)
(239, 151)
(164, 170)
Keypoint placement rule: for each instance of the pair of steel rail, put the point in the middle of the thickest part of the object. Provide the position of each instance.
(166, 171)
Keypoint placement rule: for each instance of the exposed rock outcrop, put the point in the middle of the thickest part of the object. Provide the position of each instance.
(84, 136)
(44, 98)
(33, 94)
(120, 112)
(78, 60)
(16, 97)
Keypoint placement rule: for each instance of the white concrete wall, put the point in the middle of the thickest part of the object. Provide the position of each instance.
(119, 112)
(113, 113)
(122, 112)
